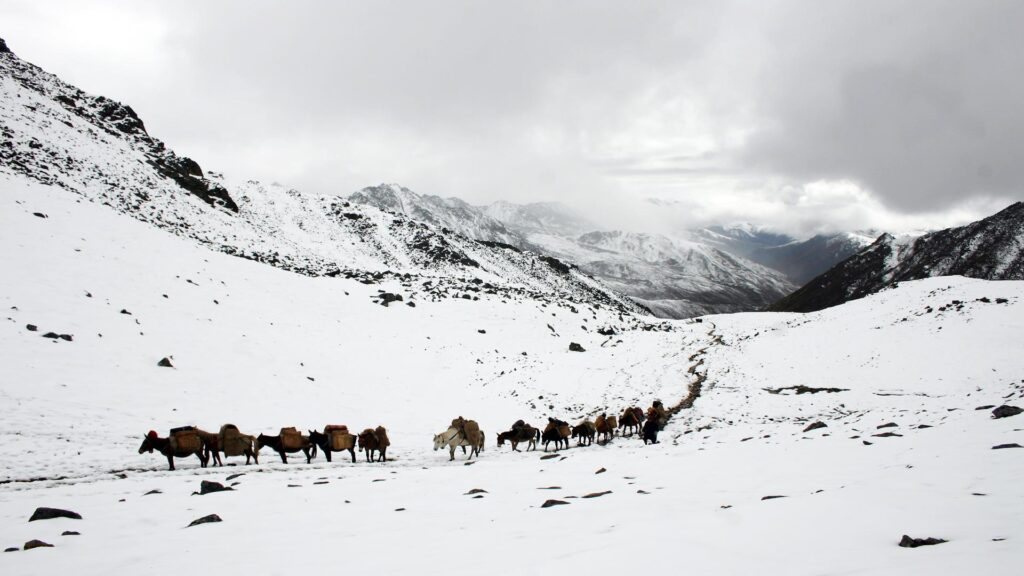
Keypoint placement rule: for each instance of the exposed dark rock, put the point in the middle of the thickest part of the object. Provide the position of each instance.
(70, 533)
(908, 542)
(4, 50)
(888, 425)
(387, 298)
(1005, 411)
(36, 544)
(125, 311)
(887, 435)
(597, 494)
(986, 407)
(763, 498)
(205, 520)
(1001, 446)
(548, 456)
(815, 426)
(553, 502)
(50, 513)
(31, 327)
(207, 487)
(476, 491)
(39, 215)
(574, 347)
(12, 549)
(51, 335)
(233, 476)
(66, 337)
(600, 471)
(801, 389)
(152, 492)
(165, 363)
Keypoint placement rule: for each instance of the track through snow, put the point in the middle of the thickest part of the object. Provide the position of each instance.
(264, 348)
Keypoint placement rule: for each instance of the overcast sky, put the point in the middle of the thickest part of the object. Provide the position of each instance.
(800, 116)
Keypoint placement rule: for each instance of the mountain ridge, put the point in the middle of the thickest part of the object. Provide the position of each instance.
(989, 249)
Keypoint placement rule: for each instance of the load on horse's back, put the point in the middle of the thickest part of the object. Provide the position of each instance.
(463, 433)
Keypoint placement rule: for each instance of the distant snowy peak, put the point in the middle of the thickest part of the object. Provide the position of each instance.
(989, 249)
(445, 213)
(57, 135)
(540, 217)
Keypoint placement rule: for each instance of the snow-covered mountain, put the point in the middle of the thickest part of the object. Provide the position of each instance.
(991, 249)
(56, 134)
(798, 260)
(761, 492)
(673, 277)
(801, 444)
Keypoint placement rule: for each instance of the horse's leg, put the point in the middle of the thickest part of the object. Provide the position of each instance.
(327, 454)
(170, 461)
(284, 457)
(451, 452)
(309, 458)
(352, 451)
(384, 454)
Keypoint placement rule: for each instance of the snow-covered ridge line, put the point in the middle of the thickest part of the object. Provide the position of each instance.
(990, 249)
(56, 134)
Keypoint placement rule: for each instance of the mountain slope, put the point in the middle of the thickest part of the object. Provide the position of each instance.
(991, 249)
(672, 277)
(55, 134)
(798, 260)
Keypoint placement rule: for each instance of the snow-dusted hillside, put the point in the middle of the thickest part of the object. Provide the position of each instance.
(799, 260)
(991, 248)
(56, 134)
(264, 348)
(673, 277)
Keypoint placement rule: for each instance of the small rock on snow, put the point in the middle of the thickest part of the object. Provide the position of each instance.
(36, 544)
(50, 513)
(1005, 411)
(553, 502)
(908, 542)
(205, 520)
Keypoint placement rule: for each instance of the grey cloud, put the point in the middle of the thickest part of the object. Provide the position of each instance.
(735, 109)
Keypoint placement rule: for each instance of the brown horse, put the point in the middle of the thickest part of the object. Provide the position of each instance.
(372, 440)
(326, 442)
(585, 432)
(556, 431)
(605, 426)
(276, 444)
(232, 442)
(629, 423)
(520, 433)
(180, 449)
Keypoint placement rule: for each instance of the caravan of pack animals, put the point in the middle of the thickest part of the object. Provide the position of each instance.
(190, 441)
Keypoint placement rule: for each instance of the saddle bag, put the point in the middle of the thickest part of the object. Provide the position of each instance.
(341, 439)
(291, 439)
(186, 441)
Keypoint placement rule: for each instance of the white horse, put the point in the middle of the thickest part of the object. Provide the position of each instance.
(454, 437)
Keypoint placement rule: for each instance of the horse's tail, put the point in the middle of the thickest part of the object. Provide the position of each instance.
(254, 445)
(537, 433)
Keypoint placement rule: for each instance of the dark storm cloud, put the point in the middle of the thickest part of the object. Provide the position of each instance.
(802, 115)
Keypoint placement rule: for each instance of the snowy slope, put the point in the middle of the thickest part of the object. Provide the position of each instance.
(264, 348)
(56, 134)
(672, 277)
(991, 248)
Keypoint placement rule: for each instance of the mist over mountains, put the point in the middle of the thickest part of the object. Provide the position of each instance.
(693, 272)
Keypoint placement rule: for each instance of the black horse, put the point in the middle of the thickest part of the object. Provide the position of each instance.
(274, 442)
(323, 442)
(151, 442)
(585, 432)
(650, 431)
(524, 433)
